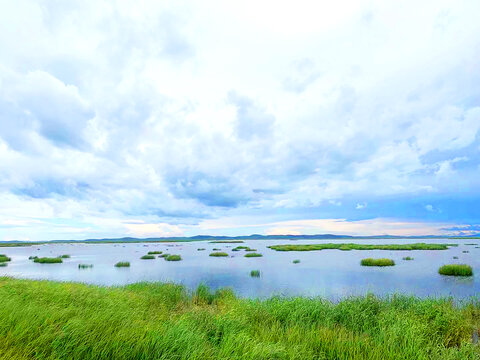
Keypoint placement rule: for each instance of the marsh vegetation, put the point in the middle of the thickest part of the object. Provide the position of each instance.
(48, 260)
(255, 273)
(218, 254)
(377, 262)
(249, 255)
(122, 264)
(351, 246)
(148, 257)
(456, 270)
(173, 258)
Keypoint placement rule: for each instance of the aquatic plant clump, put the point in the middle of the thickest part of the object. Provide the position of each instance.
(218, 254)
(148, 257)
(456, 270)
(4, 258)
(351, 246)
(227, 242)
(200, 249)
(3, 264)
(249, 255)
(165, 321)
(216, 249)
(255, 273)
(47, 260)
(377, 262)
(64, 256)
(173, 258)
(122, 264)
(296, 261)
(408, 258)
(155, 252)
(85, 266)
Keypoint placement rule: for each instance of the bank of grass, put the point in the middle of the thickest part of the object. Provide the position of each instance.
(122, 264)
(351, 246)
(48, 260)
(155, 252)
(4, 258)
(52, 320)
(148, 257)
(255, 273)
(249, 255)
(218, 254)
(377, 262)
(456, 270)
(173, 258)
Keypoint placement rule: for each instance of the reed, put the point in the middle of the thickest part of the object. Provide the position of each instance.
(148, 257)
(249, 255)
(155, 252)
(456, 270)
(377, 262)
(85, 266)
(219, 254)
(255, 273)
(173, 258)
(48, 260)
(122, 264)
(350, 246)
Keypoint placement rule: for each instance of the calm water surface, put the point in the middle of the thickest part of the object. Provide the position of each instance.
(330, 273)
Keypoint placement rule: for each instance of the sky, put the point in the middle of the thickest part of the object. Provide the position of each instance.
(179, 118)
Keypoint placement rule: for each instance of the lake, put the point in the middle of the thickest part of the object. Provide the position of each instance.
(333, 274)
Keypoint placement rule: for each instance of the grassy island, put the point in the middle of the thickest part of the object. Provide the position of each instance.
(218, 254)
(456, 270)
(350, 246)
(4, 258)
(148, 257)
(48, 260)
(377, 262)
(253, 255)
(122, 264)
(173, 258)
(53, 320)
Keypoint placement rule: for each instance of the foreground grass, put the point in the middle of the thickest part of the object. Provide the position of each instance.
(456, 270)
(350, 246)
(377, 262)
(50, 320)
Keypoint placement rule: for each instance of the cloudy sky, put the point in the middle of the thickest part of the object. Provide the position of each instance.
(171, 118)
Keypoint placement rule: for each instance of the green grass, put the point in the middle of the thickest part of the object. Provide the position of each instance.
(155, 252)
(173, 258)
(240, 248)
(377, 262)
(346, 247)
(53, 320)
(148, 257)
(32, 257)
(227, 242)
(3, 264)
(4, 258)
(456, 270)
(465, 251)
(455, 257)
(253, 255)
(216, 249)
(64, 256)
(122, 264)
(48, 260)
(218, 254)
(164, 255)
(255, 273)
(201, 249)
(85, 266)
(250, 249)
(296, 261)
(407, 258)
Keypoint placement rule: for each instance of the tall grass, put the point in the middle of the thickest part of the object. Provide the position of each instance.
(4, 258)
(148, 257)
(85, 266)
(173, 258)
(350, 246)
(64, 256)
(155, 252)
(253, 255)
(218, 254)
(50, 320)
(456, 270)
(377, 262)
(48, 260)
(296, 261)
(408, 258)
(255, 273)
(122, 264)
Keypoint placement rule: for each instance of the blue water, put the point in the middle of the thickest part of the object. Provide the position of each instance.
(330, 273)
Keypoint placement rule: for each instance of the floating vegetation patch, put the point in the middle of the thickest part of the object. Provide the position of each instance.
(148, 257)
(465, 251)
(64, 256)
(377, 262)
(4, 258)
(3, 264)
(32, 257)
(249, 255)
(227, 242)
(455, 257)
(173, 258)
(407, 258)
(296, 261)
(48, 260)
(250, 249)
(122, 264)
(155, 252)
(200, 249)
(456, 270)
(350, 246)
(85, 266)
(255, 273)
(216, 249)
(218, 254)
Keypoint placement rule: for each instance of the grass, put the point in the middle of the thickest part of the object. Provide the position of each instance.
(455, 257)
(3, 264)
(218, 254)
(122, 264)
(173, 258)
(465, 251)
(456, 270)
(85, 266)
(32, 257)
(200, 249)
(255, 273)
(164, 255)
(296, 261)
(377, 262)
(407, 258)
(53, 320)
(216, 249)
(350, 246)
(250, 249)
(48, 260)
(253, 255)
(4, 258)
(240, 248)
(155, 252)
(148, 257)
(64, 256)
